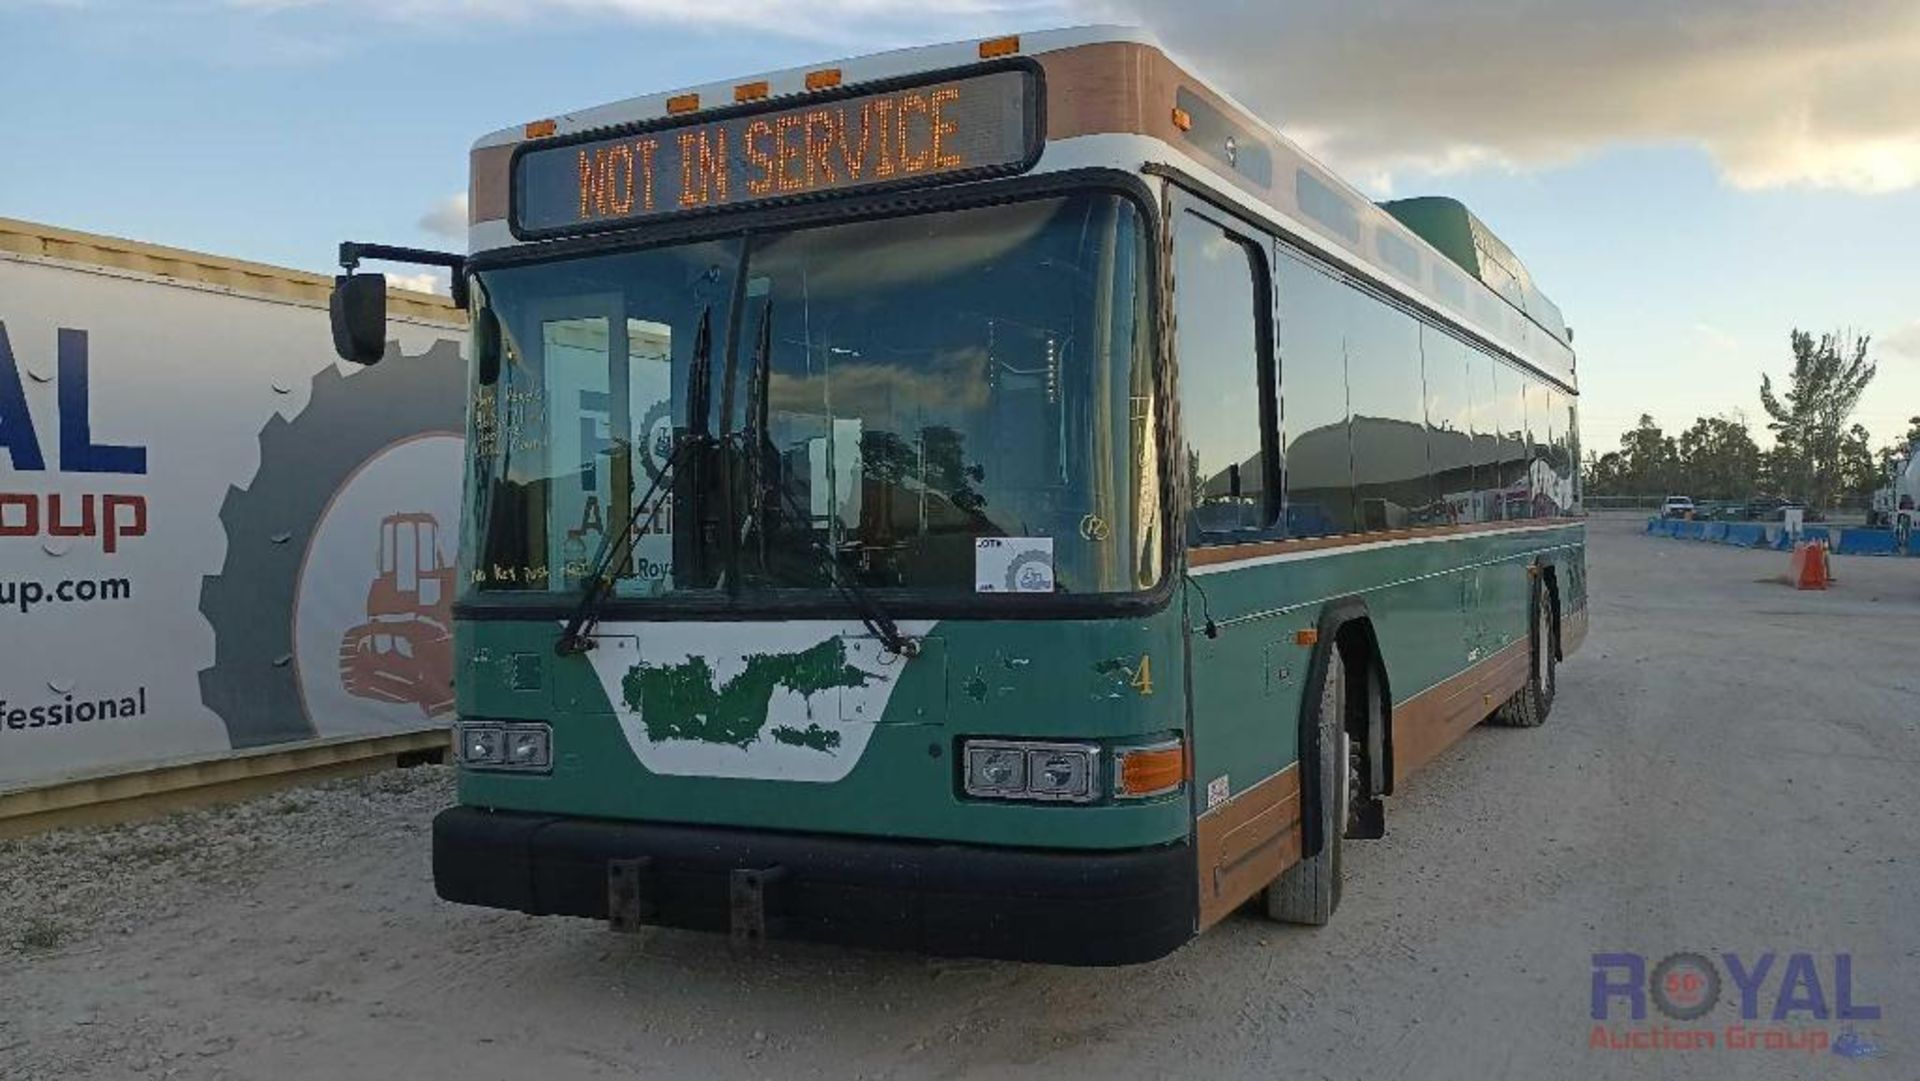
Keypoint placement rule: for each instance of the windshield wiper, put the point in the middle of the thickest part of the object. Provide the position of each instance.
(872, 615)
(754, 436)
(577, 637)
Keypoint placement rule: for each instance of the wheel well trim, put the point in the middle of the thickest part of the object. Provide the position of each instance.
(1345, 624)
(1547, 572)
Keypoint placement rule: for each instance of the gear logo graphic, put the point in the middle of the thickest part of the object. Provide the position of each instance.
(332, 609)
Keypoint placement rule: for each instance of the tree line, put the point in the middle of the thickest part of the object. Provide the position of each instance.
(1819, 455)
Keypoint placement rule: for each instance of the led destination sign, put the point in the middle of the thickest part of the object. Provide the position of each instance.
(963, 127)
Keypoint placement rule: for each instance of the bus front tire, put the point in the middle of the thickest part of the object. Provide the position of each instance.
(1309, 891)
(1529, 706)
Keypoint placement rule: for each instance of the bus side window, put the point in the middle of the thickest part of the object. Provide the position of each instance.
(1392, 481)
(1313, 393)
(1222, 306)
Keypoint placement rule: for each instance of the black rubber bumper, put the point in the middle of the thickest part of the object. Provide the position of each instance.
(1073, 908)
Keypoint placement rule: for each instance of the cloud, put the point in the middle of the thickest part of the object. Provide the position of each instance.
(431, 281)
(1714, 337)
(1903, 342)
(1814, 93)
(448, 218)
(1778, 93)
(878, 22)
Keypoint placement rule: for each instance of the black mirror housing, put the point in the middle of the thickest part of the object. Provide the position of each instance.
(359, 311)
(486, 346)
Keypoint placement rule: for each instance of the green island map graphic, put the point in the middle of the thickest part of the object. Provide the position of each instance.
(680, 701)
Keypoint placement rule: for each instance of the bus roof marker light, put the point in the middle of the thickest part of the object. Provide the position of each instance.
(540, 129)
(683, 103)
(824, 79)
(754, 91)
(994, 48)
(1182, 119)
(1306, 636)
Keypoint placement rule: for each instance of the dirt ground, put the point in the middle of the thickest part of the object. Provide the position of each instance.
(1730, 767)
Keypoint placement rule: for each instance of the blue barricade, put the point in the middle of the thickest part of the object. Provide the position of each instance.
(1693, 530)
(1784, 540)
(1867, 542)
(1714, 531)
(1747, 534)
(1654, 524)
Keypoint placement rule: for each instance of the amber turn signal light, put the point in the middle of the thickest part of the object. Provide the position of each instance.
(1140, 772)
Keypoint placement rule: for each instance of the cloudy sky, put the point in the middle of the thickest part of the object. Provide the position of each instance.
(1688, 180)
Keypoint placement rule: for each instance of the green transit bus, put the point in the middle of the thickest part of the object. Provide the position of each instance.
(999, 499)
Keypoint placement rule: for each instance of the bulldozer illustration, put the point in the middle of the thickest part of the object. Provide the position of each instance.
(403, 653)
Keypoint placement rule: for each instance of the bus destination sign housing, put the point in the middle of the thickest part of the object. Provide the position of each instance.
(936, 129)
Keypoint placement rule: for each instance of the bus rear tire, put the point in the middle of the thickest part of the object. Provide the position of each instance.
(1309, 891)
(1528, 708)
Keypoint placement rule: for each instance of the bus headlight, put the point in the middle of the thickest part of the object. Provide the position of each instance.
(996, 769)
(507, 746)
(1027, 770)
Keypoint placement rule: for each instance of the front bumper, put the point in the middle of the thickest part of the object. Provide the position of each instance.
(1076, 908)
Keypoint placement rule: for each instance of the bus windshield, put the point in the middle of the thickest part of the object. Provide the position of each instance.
(948, 402)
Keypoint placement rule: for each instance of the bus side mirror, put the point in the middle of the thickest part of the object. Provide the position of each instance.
(359, 310)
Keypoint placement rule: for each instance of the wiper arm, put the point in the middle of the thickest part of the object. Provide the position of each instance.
(577, 637)
(689, 523)
(754, 436)
(872, 615)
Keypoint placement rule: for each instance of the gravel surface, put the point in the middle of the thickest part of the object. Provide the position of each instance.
(1729, 767)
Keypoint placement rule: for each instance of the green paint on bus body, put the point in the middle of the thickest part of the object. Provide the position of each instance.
(681, 701)
(812, 736)
(1434, 605)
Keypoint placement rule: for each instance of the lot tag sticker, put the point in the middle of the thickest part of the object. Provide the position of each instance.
(1217, 790)
(1013, 565)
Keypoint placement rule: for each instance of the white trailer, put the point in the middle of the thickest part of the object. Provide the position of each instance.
(217, 542)
(1895, 505)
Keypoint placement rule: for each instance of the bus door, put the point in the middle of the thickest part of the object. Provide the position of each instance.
(1242, 733)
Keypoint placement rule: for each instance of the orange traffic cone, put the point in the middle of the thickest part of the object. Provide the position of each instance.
(1808, 570)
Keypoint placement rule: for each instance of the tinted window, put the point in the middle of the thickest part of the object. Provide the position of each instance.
(1389, 429)
(1327, 206)
(1313, 391)
(1223, 140)
(1559, 452)
(1219, 306)
(1539, 474)
(1449, 424)
(1486, 439)
(1573, 453)
(900, 389)
(1402, 257)
(1510, 416)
